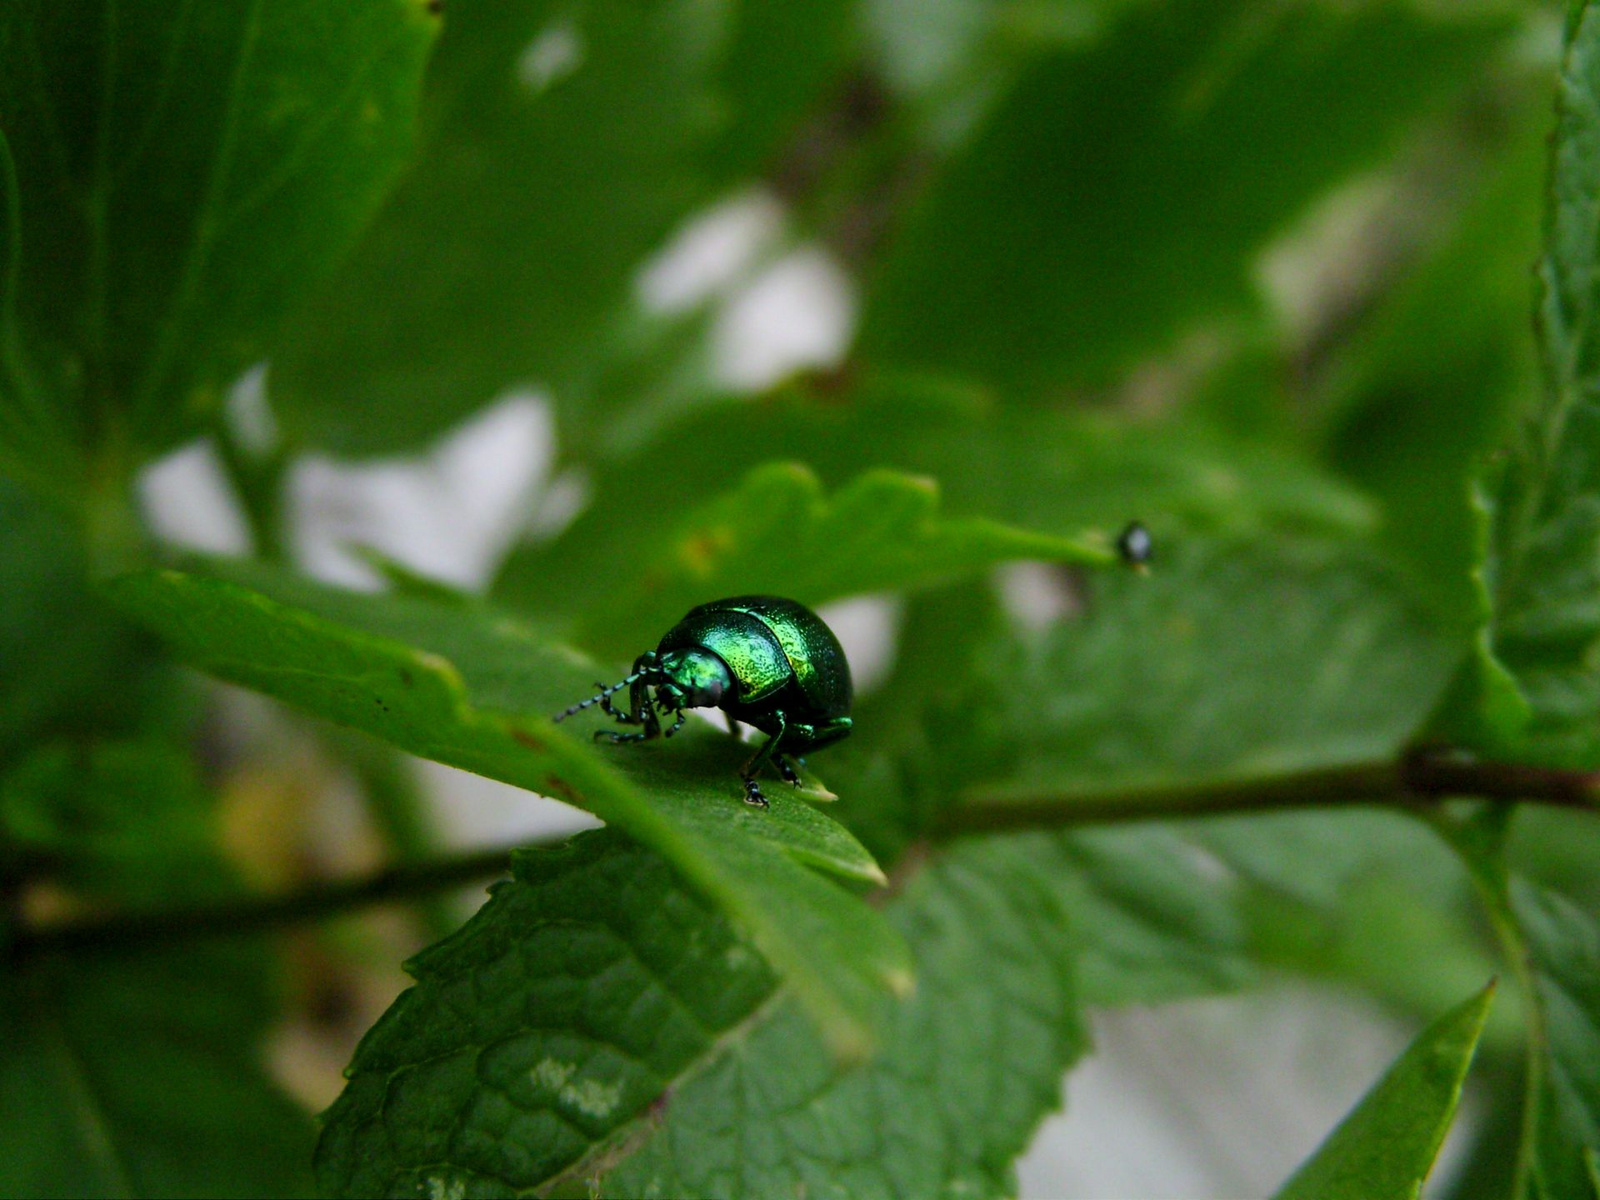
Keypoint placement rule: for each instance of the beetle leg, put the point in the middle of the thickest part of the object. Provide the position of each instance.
(677, 723)
(829, 732)
(620, 737)
(786, 768)
(644, 711)
(752, 790)
(623, 717)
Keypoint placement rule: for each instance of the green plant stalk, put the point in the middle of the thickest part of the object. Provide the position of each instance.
(258, 483)
(113, 529)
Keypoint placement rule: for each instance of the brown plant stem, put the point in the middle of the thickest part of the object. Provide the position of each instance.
(1418, 778)
(1415, 780)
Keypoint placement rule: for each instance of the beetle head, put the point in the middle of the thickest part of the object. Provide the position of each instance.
(694, 679)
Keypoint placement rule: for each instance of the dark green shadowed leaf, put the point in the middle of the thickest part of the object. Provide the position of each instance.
(475, 689)
(127, 820)
(778, 534)
(1543, 566)
(543, 1033)
(968, 1065)
(133, 1074)
(1118, 193)
(142, 1077)
(1385, 1148)
(564, 143)
(59, 642)
(181, 172)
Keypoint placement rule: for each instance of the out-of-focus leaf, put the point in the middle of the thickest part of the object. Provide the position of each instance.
(127, 819)
(1118, 192)
(563, 144)
(1055, 472)
(141, 1077)
(543, 1032)
(1429, 383)
(176, 175)
(1358, 898)
(59, 643)
(1385, 1148)
(968, 1065)
(473, 689)
(777, 534)
(1542, 573)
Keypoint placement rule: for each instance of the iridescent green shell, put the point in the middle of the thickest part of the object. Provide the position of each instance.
(769, 642)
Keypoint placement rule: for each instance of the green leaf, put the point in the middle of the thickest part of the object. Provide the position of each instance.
(1542, 572)
(1226, 663)
(1119, 192)
(968, 1066)
(1429, 383)
(1223, 666)
(544, 1031)
(1358, 898)
(472, 688)
(177, 174)
(1153, 923)
(1152, 918)
(1055, 472)
(1386, 1146)
(564, 143)
(1563, 946)
(142, 1077)
(777, 534)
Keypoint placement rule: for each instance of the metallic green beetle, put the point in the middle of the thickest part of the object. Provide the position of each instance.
(763, 660)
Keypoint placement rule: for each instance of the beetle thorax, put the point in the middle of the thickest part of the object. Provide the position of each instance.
(695, 678)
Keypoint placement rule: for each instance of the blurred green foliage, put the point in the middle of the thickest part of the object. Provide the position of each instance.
(1257, 273)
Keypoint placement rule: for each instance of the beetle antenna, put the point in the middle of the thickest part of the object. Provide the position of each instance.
(602, 694)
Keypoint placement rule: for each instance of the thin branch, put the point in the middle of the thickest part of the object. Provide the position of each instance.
(258, 481)
(1416, 779)
(1420, 777)
(255, 914)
